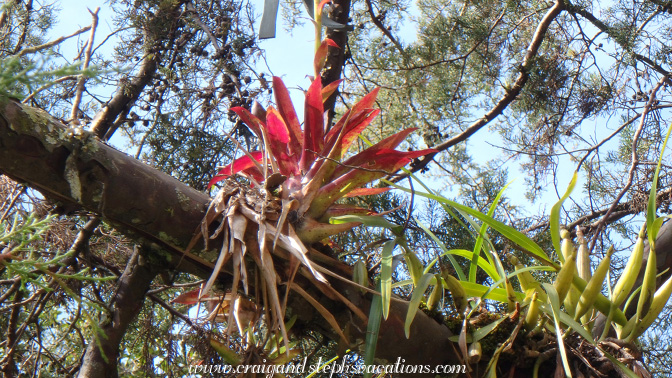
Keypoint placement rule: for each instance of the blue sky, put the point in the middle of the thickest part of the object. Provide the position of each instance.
(289, 56)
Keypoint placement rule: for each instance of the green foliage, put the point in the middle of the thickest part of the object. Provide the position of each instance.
(19, 77)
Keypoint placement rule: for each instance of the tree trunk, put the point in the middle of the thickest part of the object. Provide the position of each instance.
(102, 353)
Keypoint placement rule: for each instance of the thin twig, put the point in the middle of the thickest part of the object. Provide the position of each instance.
(613, 33)
(203, 26)
(12, 202)
(48, 85)
(386, 32)
(170, 309)
(33, 49)
(634, 160)
(87, 60)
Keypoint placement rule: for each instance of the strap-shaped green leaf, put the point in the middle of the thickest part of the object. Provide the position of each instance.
(453, 262)
(369, 221)
(372, 329)
(555, 309)
(509, 232)
(651, 207)
(418, 294)
(554, 221)
(481, 234)
(386, 276)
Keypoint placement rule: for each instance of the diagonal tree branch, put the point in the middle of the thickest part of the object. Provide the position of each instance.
(103, 124)
(525, 68)
(581, 11)
(163, 214)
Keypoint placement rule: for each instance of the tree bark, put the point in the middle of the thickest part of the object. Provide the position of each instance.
(163, 214)
(102, 353)
(336, 58)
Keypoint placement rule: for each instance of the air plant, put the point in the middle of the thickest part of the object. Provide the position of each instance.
(296, 180)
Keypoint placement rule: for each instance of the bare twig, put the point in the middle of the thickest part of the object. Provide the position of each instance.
(634, 160)
(34, 49)
(170, 309)
(376, 21)
(11, 203)
(606, 29)
(87, 60)
(621, 210)
(8, 363)
(203, 26)
(48, 85)
(5, 11)
(24, 27)
(598, 145)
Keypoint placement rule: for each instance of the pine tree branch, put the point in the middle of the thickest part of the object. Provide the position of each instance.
(512, 93)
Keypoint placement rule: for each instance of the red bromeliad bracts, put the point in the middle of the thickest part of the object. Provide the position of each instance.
(313, 159)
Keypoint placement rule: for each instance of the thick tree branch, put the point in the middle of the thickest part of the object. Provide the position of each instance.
(102, 353)
(82, 172)
(163, 214)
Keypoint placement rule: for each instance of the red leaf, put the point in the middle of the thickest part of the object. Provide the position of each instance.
(321, 55)
(330, 89)
(394, 140)
(349, 118)
(287, 164)
(313, 124)
(215, 179)
(286, 110)
(254, 173)
(241, 164)
(276, 128)
(258, 111)
(376, 163)
(390, 143)
(279, 141)
(354, 128)
(358, 124)
(254, 123)
(190, 297)
(383, 159)
(350, 121)
(366, 192)
(320, 7)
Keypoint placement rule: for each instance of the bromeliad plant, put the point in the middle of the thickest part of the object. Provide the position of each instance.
(297, 176)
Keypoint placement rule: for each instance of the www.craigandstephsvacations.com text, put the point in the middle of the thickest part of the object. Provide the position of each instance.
(335, 367)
